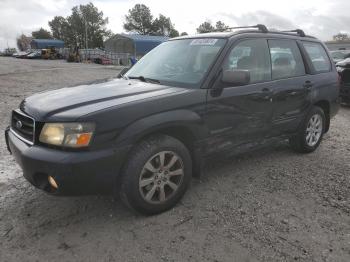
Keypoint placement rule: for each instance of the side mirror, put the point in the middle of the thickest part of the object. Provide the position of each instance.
(123, 72)
(236, 77)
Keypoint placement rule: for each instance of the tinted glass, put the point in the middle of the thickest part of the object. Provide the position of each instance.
(252, 55)
(286, 59)
(180, 62)
(318, 56)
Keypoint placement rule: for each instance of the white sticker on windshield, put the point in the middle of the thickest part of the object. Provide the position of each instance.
(204, 41)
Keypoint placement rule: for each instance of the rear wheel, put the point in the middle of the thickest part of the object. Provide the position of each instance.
(311, 132)
(157, 175)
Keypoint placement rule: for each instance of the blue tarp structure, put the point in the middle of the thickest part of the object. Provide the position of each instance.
(133, 44)
(45, 43)
(145, 43)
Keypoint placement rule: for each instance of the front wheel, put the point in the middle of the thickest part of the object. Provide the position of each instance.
(310, 132)
(157, 175)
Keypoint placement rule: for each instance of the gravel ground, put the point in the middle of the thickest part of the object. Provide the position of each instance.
(268, 205)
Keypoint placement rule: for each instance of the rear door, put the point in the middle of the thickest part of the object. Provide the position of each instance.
(323, 78)
(290, 86)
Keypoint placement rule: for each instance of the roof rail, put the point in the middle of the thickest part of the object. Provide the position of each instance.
(261, 27)
(298, 31)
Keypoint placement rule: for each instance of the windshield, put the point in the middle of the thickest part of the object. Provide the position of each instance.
(182, 62)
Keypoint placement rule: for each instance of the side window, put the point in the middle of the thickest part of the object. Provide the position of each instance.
(252, 55)
(286, 59)
(318, 56)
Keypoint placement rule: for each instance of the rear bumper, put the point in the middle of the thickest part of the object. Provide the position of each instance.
(76, 173)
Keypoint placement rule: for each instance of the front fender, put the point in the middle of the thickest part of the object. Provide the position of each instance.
(151, 124)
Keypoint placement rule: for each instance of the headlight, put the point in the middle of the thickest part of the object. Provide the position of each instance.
(67, 134)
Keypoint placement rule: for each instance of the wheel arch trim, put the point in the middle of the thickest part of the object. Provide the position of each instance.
(153, 123)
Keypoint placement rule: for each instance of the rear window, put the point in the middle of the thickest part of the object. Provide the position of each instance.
(318, 56)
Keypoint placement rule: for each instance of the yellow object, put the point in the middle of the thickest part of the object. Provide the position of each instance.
(49, 53)
(84, 139)
(52, 182)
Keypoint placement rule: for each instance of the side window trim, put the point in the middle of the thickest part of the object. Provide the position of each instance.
(309, 70)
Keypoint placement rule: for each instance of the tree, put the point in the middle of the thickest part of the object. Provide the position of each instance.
(41, 34)
(163, 26)
(85, 27)
(140, 20)
(59, 28)
(205, 27)
(341, 37)
(183, 33)
(23, 42)
(173, 33)
(220, 26)
(208, 27)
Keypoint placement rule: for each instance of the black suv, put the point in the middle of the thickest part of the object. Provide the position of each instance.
(146, 134)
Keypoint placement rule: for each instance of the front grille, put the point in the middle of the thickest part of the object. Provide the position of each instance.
(23, 126)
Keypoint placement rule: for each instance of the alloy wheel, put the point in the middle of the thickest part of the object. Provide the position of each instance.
(314, 130)
(161, 177)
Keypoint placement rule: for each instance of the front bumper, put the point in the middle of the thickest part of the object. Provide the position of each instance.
(76, 173)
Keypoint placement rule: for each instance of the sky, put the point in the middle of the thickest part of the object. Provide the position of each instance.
(321, 18)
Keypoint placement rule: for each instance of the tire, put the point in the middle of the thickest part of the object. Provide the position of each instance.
(309, 136)
(155, 166)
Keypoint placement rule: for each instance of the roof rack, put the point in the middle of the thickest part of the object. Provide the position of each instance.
(298, 31)
(261, 27)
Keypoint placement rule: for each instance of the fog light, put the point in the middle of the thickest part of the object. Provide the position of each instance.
(52, 182)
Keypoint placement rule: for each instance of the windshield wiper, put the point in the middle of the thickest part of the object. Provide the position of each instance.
(145, 79)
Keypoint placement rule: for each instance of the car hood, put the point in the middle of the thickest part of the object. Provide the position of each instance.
(73, 102)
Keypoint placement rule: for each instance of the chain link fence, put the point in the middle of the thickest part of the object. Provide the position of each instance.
(99, 56)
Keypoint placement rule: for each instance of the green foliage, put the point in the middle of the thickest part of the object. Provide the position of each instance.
(85, 27)
(60, 28)
(341, 37)
(220, 26)
(205, 27)
(41, 34)
(140, 20)
(174, 33)
(208, 27)
(23, 42)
